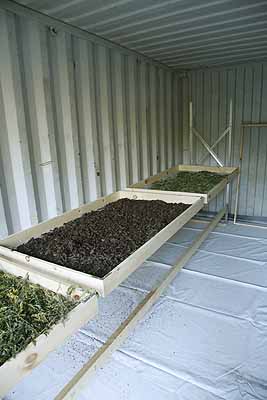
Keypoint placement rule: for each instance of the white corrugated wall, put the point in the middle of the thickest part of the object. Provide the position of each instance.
(78, 120)
(211, 91)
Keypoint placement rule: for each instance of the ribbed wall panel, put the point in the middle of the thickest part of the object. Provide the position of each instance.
(77, 120)
(211, 91)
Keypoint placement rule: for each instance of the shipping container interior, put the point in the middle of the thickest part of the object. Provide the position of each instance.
(98, 96)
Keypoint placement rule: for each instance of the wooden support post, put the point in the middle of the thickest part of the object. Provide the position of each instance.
(227, 200)
(71, 390)
(243, 125)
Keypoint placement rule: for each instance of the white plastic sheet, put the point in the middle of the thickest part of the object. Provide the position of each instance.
(205, 339)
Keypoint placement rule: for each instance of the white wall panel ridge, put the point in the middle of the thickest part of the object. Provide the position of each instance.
(78, 119)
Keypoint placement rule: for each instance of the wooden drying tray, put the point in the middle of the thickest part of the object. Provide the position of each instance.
(12, 371)
(110, 281)
(229, 171)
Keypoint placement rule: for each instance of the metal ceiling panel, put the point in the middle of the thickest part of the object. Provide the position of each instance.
(180, 33)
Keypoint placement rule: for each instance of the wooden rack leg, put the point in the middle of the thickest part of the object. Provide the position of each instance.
(71, 390)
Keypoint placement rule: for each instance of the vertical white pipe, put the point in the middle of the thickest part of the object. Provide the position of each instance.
(191, 132)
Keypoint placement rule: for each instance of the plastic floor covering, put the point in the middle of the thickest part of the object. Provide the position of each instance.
(205, 339)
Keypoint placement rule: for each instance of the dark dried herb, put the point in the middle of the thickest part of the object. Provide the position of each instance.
(193, 182)
(26, 311)
(100, 240)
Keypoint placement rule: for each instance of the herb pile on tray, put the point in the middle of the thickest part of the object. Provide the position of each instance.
(98, 241)
(26, 311)
(192, 182)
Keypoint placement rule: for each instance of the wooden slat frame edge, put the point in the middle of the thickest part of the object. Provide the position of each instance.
(71, 390)
(12, 371)
(106, 284)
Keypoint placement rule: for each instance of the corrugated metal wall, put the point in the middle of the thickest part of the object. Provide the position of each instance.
(211, 91)
(77, 120)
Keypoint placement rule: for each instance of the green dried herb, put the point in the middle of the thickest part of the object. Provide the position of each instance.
(26, 311)
(193, 182)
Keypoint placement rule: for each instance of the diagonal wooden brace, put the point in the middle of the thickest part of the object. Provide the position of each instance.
(208, 148)
(216, 143)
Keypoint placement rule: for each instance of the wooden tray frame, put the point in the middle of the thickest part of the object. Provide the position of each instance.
(16, 368)
(110, 281)
(80, 379)
(230, 171)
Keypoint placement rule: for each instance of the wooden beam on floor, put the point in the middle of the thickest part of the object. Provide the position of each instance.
(80, 380)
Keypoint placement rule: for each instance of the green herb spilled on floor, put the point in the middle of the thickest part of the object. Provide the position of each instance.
(192, 182)
(26, 311)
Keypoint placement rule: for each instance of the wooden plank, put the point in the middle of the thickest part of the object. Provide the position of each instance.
(16, 136)
(86, 115)
(135, 260)
(14, 268)
(15, 369)
(231, 91)
(214, 118)
(105, 285)
(80, 380)
(238, 112)
(230, 171)
(223, 120)
(247, 114)
(168, 196)
(218, 170)
(253, 125)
